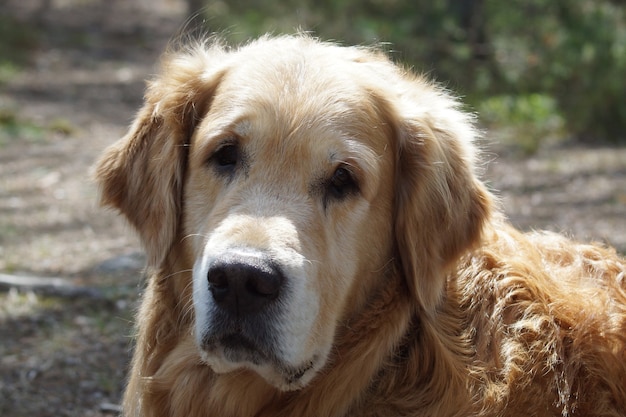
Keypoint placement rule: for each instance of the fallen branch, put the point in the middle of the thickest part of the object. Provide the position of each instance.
(111, 408)
(53, 286)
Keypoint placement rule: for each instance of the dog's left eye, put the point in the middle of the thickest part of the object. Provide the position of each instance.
(342, 183)
(226, 158)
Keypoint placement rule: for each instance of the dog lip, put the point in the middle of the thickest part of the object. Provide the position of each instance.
(238, 341)
(237, 348)
(294, 375)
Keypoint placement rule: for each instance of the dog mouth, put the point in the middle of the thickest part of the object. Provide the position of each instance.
(239, 351)
(294, 375)
(239, 348)
(250, 316)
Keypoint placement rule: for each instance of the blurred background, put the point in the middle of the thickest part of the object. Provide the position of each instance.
(547, 79)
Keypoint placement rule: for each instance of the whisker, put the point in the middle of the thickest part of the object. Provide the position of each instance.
(173, 274)
(191, 235)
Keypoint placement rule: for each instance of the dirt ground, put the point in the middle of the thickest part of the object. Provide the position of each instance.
(65, 345)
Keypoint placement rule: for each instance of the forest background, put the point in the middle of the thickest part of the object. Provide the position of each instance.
(534, 69)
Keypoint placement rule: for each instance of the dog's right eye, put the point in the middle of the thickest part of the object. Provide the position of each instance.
(341, 184)
(226, 158)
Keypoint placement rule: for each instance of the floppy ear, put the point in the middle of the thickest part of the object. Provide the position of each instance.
(142, 174)
(440, 206)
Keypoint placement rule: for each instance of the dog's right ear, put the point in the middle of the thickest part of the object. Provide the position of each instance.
(142, 174)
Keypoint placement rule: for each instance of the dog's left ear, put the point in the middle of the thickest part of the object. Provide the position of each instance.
(441, 206)
(142, 174)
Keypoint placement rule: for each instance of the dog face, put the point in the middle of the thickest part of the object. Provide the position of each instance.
(300, 172)
(289, 202)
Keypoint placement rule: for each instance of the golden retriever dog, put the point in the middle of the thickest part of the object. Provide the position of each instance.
(319, 244)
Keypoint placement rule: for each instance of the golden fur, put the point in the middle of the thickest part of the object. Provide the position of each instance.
(418, 299)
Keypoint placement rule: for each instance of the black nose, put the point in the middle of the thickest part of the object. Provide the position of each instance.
(244, 284)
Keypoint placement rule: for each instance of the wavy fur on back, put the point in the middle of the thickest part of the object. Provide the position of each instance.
(456, 314)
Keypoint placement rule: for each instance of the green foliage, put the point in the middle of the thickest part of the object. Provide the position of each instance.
(7, 71)
(17, 41)
(575, 51)
(12, 127)
(511, 58)
(531, 120)
(62, 127)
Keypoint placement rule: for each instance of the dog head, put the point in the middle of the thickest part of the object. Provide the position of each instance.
(302, 173)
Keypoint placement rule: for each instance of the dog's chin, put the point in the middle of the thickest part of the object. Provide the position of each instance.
(230, 357)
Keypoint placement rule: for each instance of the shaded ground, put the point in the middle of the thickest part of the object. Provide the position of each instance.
(64, 353)
(67, 355)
